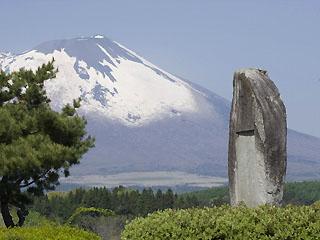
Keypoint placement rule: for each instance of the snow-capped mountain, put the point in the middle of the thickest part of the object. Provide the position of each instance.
(112, 81)
(144, 118)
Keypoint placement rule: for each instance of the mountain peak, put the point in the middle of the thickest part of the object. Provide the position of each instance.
(96, 52)
(98, 36)
(110, 79)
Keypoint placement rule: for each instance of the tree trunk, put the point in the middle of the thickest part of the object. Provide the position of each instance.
(7, 218)
(22, 214)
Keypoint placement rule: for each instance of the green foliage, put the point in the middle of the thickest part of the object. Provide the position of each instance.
(302, 192)
(92, 212)
(35, 219)
(100, 221)
(210, 197)
(46, 233)
(43, 228)
(122, 201)
(36, 143)
(299, 193)
(225, 222)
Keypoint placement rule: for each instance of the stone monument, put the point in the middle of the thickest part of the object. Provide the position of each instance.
(257, 140)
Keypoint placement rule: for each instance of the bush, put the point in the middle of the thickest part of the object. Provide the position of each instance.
(106, 227)
(89, 212)
(225, 222)
(46, 233)
(35, 219)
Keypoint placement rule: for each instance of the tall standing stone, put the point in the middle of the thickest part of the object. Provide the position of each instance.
(257, 140)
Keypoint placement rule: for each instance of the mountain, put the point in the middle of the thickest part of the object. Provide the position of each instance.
(144, 118)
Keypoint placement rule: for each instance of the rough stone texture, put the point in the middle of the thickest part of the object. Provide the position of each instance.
(257, 140)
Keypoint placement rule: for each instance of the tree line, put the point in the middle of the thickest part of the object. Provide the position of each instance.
(130, 202)
(121, 200)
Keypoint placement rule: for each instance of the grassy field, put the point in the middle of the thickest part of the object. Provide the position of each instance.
(147, 179)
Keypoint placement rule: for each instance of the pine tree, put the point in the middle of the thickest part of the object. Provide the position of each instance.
(159, 200)
(37, 144)
(168, 199)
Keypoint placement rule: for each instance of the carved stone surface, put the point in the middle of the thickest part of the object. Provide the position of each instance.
(257, 140)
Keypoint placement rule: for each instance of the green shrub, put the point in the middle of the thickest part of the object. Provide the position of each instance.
(89, 212)
(35, 219)
(225, 222)
(106, 227)
(46, 233)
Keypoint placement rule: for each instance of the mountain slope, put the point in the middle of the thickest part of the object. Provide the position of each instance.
(145, 119)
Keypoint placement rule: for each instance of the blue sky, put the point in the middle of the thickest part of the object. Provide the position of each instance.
(201, 40)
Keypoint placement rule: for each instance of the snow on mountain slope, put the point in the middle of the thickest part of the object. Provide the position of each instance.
(110, 79)
(144, 118)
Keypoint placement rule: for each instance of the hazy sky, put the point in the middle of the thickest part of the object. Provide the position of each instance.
(201, 40)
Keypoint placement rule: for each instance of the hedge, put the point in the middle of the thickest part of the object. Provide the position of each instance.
(46, 233)
(225, 222)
